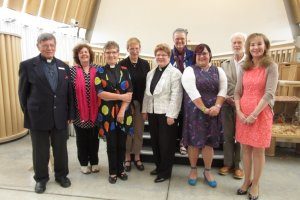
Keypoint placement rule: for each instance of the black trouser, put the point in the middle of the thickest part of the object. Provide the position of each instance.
(163, 140)
(41, 152)
(116, 147)
(180, 125)
(87, 145)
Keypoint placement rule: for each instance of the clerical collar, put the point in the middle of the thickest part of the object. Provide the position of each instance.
(47, 60)
(112, 66)
(162, 68)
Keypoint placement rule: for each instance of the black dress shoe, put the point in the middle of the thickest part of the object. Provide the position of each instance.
(153, 172)
(139, 167)
(40, 187)
(159, 179)
(123, 176)
(243, 192)
(63, 182)
(252, 197)
(127, 168)
(112, 179)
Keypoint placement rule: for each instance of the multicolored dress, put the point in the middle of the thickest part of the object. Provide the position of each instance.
(259, 133)
(200, 129)
(114, 80)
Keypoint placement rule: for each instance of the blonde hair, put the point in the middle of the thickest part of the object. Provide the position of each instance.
(133, 40)
(266, 60)
(163, 47)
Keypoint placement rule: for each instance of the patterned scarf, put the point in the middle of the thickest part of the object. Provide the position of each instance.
(86, 112)
(179, 58)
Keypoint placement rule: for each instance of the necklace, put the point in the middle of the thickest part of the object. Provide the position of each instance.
(133, 64)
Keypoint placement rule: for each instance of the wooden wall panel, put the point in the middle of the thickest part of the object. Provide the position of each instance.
(70, 11)
(2, 64)
(12, 82)
(5, 86)
(59, 10)
(11, 116)
(32, 7)
(81, 11)
(1, 3)
(89, 15)
(15, 4)
(47, 8)
(295, 5)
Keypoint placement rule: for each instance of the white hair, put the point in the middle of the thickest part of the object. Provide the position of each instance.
(240, 35)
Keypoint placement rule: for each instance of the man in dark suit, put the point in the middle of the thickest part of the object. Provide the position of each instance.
(46, 99)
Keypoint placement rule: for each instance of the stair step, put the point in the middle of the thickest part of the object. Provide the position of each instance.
(147, 156)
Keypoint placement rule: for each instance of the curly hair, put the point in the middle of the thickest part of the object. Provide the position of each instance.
(266, 60)
(78, 48)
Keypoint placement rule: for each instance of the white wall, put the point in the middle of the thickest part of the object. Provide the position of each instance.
(208, 21)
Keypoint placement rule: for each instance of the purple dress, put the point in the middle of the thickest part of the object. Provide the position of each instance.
(200, 129)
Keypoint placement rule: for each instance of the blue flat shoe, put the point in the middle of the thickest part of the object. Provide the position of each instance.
(192, 182)
(213, 183)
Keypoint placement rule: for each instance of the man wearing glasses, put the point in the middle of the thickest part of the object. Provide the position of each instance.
(46, 98)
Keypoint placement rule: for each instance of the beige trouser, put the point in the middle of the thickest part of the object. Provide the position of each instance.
(134, 143)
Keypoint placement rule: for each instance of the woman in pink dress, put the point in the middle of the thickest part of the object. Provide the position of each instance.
(254, 100)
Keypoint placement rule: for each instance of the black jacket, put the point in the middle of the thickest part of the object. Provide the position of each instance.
(44, 109)
(138, 77)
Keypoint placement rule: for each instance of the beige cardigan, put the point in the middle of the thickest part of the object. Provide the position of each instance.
(271, 84)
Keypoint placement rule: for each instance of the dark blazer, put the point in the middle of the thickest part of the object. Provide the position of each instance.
(138, 77)
(44, 109)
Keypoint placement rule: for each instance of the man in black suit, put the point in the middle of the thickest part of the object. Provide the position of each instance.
(46, 98)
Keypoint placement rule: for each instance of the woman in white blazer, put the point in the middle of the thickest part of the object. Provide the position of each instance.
(161, 106)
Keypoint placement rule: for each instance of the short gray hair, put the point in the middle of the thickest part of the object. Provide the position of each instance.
(111, 45)
(45, 37)
(239, 34)
(180, 30)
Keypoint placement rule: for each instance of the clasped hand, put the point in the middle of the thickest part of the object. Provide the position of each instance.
(246, 120)
(212, 111)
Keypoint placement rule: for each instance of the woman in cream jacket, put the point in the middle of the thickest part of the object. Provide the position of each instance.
(161, 106)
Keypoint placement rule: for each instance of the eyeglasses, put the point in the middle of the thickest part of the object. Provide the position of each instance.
(202, 53)
(47, 46)
(111, 52)
(161, 55)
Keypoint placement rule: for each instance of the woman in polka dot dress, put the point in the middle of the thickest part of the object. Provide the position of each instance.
(114, 87)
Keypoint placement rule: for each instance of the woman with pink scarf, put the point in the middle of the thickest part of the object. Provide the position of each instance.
(85, 98)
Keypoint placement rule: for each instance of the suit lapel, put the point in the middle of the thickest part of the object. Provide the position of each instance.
(40, 73)
(61, 73)
(148, 82)
(233, 70)
(159, 87)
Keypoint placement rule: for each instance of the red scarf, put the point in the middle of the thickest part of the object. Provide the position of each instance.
(86, 112)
